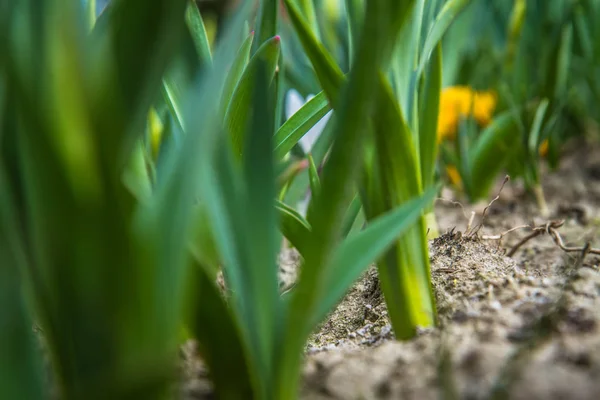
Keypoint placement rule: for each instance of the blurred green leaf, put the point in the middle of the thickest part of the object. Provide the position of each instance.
(90, 12)
(131, 59)
(262, 239)
(238, 113)
(355, 15)
(308, 11)
(293, 226)
(195, 25)
(202, 243)
(536, 128)
(443, 20)
(266, 23)
(488, 156)
(20, 350)
(328, 72)
(219, 340)
(563, 62)
(235, 73)
(351, 217)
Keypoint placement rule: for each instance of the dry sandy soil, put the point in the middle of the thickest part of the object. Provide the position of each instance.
(520, 327)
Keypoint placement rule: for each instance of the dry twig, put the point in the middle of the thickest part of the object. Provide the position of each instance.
(454, 203)
(478, 227)
(551, 229)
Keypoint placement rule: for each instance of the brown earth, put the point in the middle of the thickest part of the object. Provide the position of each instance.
(520, 327)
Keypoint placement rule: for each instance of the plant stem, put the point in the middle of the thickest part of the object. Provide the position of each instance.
(538, 192)
(431, 225)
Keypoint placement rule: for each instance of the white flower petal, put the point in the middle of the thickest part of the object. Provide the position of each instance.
(308, 140)
(293, 102)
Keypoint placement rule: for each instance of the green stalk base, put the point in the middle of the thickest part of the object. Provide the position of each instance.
(431, 224)
(538, 192)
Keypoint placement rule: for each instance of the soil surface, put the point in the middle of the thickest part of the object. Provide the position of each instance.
(520, 327)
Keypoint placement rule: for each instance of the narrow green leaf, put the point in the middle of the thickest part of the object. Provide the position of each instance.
(202, 245)
(355, 12)
(563, 62)
(135, 175)
(583, 32)
(536, 128)
(235, 73)
(451, 9)
(90, 13)
(313, 174)
(489, 154)
(404, 60)
(173, 99)
(328, 72)
(315, 186)
(220, 344)
(300, 123)
(396, 151)
(428, 117)
(191, 171)
(351, 215)
(238, 112)
(188, 170)
(281, 87)
(308, 10)
(262, 240)
(266, 23)
(467, 130)
(356, 253)
(134, 58)
(197, 30)
(293, 226)
(323, 144)
(297, 189)
(404, 270)
(20, 361)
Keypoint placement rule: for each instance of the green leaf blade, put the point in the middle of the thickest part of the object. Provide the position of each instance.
(238, 113)
(300, 123)
(362, 249)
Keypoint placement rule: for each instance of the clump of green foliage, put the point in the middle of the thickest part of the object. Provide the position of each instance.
(542, 61)
(400, 157)
(138, 161)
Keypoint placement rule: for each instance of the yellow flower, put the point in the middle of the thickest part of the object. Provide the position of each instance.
(458, 102)
(544, 148)
(453, 175)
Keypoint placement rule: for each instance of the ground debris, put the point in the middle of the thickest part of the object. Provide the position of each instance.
(487, 304)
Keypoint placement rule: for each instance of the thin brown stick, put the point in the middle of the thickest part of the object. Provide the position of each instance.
(521, 242)
(560, 243)
(501, 235)
(586, 250)
(454, 203)
(537, 231)
(483, 215)
(551, 228)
